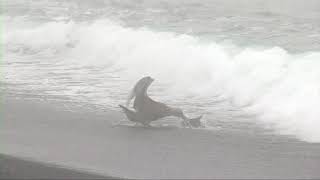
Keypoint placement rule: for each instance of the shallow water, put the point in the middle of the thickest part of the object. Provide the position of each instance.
(240, 63)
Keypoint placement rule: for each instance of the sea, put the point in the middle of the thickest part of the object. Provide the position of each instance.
(250, 66)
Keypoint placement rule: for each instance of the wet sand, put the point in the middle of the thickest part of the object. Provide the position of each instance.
(15, 168)
(80, 139)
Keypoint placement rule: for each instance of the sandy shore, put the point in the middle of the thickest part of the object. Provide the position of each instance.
(83, 140)
(15, 168)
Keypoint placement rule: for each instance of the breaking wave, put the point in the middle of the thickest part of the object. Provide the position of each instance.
(283, 89)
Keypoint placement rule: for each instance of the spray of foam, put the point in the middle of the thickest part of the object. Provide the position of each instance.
(282, 88)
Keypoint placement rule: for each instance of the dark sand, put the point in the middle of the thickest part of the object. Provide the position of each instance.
(15, 168)
(83, 140)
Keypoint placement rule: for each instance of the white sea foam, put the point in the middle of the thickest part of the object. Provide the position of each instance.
(283, 89)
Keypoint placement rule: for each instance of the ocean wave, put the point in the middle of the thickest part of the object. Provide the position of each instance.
(281, 88)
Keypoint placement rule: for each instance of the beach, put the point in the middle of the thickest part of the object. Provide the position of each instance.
(250, 68)
(80, 139)
(15, 168)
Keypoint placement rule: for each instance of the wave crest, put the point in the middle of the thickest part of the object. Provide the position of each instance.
(282, 88)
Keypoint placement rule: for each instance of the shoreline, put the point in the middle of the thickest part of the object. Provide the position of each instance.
(18, 168)
(48, 132)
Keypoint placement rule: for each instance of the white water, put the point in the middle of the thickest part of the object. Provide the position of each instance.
(280, 88)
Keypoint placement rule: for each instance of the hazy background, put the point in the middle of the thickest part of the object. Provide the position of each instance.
(248, 65)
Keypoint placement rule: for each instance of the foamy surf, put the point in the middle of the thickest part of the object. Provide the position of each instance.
(281, 89)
